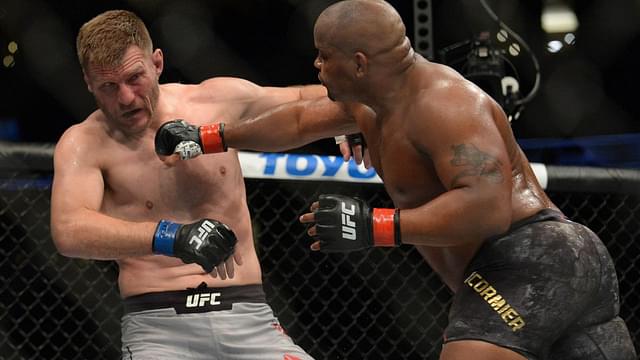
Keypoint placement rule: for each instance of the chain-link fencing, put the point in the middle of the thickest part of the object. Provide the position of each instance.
(376, 304)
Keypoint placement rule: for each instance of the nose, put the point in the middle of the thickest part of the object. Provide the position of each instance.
(317, 63)
(126, 95)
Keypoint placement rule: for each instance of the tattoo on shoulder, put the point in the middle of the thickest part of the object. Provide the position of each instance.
(475, 163)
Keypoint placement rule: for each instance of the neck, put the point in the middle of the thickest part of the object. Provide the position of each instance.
(162, 107)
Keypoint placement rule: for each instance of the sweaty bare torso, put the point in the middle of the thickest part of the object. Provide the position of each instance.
(140, 187)
(410, 177)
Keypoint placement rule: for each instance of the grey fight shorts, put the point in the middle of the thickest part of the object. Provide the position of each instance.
(547, 289)
(205, 323)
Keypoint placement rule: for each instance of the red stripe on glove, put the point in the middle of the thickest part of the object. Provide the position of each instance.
(212, 138)
(383, 227)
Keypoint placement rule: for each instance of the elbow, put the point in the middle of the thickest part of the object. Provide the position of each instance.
(499, 219)
(62, 236)
(491, 226)
(490, 210)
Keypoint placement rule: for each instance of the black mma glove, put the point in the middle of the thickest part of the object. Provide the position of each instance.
(206, 242)
(345, 224)
(189, 141)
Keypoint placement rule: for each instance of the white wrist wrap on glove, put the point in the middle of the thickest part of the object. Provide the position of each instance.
(340, 139)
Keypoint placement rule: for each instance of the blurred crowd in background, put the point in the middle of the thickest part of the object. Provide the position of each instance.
(588, 72)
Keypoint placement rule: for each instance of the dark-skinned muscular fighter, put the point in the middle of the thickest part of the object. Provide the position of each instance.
(528, 283)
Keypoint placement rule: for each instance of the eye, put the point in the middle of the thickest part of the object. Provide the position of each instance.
(108, 86)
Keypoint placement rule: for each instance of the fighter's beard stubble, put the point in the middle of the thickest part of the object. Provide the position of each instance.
(118, 119)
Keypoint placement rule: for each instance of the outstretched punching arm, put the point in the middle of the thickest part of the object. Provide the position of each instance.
(284, 127)
(293, 125)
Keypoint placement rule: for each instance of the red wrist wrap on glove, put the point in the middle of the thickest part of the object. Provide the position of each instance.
(385, 227)
(212, 137)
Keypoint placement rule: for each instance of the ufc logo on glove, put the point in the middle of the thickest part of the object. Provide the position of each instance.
(348, 225)
(203, 231)
(345, 224)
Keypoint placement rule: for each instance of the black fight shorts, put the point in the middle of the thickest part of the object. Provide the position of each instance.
(547, 290)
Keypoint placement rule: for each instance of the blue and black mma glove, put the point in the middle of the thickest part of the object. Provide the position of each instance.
(347, 224)
(206, 242)
(177, 136)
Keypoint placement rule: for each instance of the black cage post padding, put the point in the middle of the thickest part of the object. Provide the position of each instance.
(376, 304)
(593, 179)
(27, 157)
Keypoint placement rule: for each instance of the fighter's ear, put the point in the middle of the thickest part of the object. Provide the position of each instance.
(362, 64)
(158, 61)
(86, 81)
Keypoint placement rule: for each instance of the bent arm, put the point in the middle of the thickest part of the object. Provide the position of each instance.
(292, 125)
(77, 227)
(472, 163)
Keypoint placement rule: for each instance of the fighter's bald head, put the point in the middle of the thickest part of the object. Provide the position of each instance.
(369, 26)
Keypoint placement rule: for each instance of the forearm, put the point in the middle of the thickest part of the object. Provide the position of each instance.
(275, 130)
(89, 234)
(456, 217)
(284, 127)
(289, 126)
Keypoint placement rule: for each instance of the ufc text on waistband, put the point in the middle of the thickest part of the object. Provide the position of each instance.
(199, 300)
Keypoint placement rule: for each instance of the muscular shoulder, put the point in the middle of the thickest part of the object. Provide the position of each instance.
(227, 96)
(453, 110)
(83, 140)
(91, 130)
(253, 98)
(219, 89)
(225, 89)
(453, 96)
(452, 102)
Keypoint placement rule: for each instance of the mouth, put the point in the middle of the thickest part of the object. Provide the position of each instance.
(131, 113)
